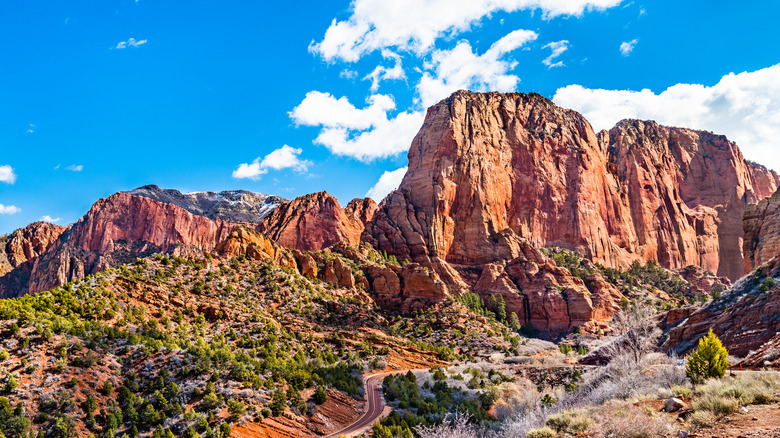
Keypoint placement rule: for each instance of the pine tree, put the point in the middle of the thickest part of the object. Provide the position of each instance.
(514, 321)
(710, 360)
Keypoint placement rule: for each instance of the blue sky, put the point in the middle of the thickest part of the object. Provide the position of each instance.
(292, 98)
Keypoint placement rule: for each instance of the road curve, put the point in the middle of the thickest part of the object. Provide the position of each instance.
(375, 404)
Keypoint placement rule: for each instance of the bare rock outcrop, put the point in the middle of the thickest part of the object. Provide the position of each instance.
(244, 241)
(29, 242)
(119, 229)
(761, 224)
(745, 318)
(317, 221)
(486, 162)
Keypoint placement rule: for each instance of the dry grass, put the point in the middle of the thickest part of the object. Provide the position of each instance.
(702, 419)
(624, 420)
(571, 422)
(542, 432)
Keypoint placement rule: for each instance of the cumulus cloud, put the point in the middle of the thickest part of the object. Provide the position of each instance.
(626, 47)
(415, 25)
(9, 209)
(75, 168)
(461, 68)
(388, 182)
(745, 107)
(557, 48)
(286, 157)
(7, 174)
(324, 109)
(364, 133)
(132, 42)
(382, 73)
(49, 219)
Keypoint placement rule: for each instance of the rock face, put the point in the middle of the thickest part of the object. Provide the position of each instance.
(745, 318)
(488, 163)
(19, 251)
(232, 205)
(29, 242)
(119, 229)
(317, 221)
(761, 224)
(245, 241)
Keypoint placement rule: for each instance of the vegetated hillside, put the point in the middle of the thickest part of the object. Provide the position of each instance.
(185, 344)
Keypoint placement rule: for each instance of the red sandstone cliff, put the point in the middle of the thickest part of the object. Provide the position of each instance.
(488, 162)
(745, 318)
(29, 242)
(761, 224)
(117, 230)
(317, 221)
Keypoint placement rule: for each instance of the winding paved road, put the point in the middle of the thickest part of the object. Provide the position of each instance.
(374, 406)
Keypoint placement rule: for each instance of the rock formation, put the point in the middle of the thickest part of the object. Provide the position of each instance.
(317, 221)
(745, 318)
(487, 163)
(244, 241)
(761, 224)
(231, 205)
(28, 243)
(119, 229)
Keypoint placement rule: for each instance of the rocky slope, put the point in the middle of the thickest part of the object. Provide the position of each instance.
(26, 244)
(487, 165)
(761, 224)
(117, 230)
(232, 205)
(745, 318)
(317, 221)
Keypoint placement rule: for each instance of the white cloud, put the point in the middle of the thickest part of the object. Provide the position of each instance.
(130, 43)
(31, 129)
(9, 209)
(415, 25)
(557, 48)
(75, 168)
(324, 109)
(286, 157)
(366, 133)
(460, 68)
(7, 174)
(388, 182)
(745, 107)
(381, 72)
(50, 219)
(626, 47)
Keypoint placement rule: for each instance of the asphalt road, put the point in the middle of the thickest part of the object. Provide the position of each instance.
(374, 406)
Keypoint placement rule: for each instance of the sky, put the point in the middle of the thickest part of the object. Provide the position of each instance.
(290, 98)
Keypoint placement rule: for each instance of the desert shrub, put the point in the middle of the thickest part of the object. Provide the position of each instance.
(542, 432)
(682, 391)
(628, 421)
(702, 419)
(717, 404)
(571, 422)
(710, 359)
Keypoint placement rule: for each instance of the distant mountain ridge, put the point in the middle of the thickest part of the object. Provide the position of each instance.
(230, 205)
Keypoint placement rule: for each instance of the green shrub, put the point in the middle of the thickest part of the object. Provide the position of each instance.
(710, 360)
(542, 432)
